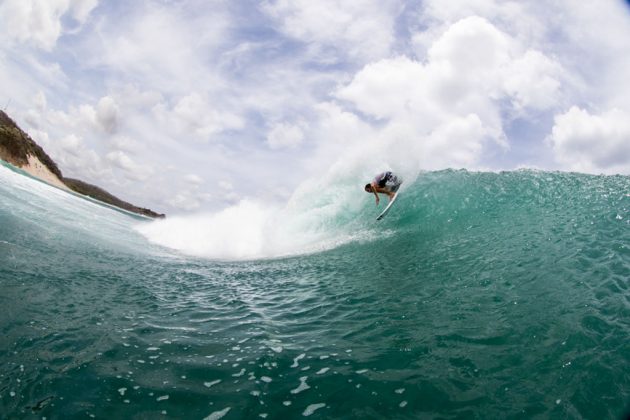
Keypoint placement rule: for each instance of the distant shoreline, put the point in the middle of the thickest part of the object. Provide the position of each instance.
(19, 150)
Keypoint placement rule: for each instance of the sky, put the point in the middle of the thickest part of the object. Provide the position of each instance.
(186, 106)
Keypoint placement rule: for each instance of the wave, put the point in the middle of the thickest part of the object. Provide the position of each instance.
(334, 211)
(318, 219)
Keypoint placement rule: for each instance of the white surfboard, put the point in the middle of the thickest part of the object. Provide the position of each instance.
(389, 206)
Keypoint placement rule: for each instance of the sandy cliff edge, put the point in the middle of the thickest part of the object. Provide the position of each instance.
(36, 168)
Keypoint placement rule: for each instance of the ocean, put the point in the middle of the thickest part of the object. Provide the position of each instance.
(480, 295)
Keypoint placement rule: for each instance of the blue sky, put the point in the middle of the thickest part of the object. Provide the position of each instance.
(187, 106)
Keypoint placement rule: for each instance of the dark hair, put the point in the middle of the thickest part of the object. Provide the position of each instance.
(368, 187)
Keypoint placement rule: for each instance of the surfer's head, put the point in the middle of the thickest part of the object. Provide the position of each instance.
(368, 188)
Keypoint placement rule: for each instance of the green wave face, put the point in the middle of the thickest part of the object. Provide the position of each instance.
(480, 295)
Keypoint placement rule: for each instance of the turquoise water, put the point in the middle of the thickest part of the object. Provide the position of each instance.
(481, 295)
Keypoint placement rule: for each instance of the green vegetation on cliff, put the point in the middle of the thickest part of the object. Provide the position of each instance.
(102, 195)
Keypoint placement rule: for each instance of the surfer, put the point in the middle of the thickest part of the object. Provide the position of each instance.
(384, 183)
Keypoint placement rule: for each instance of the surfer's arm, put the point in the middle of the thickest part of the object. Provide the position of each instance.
(374, 188)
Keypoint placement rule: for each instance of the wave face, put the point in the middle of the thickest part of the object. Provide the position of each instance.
(483, 295)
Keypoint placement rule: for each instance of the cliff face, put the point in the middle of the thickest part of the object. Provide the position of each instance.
(17, 148)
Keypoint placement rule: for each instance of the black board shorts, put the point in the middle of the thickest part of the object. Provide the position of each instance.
(389, 181)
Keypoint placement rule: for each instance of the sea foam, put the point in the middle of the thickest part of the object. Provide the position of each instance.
(252, 230)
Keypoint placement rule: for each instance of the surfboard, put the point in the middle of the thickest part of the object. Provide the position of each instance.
(389, 206)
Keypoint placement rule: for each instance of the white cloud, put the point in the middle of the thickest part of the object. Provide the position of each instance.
(596, 43)
(585, 142)
(226, 185)
(457, 143)
(131, 96)
(534, 81)
(193, 114)
(284, 135)
(184, 200)
(161, 48)
(126, 144)
(190, 195)
(72, 144)
(123, 161)
(107, 114)
(563, 32)
(471, 65)
(473, 47)
(525, 21)
(362, 29)
(40, 101)
(228, 194)
(73, 156)
(81, 9)
(337, 130)
(193, 179)
(40, 21)
(456, 100)
(386, 88)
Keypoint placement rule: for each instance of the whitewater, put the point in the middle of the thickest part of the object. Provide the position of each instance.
(480, 295)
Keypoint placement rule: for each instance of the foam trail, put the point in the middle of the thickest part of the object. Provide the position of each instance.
(249, 230)
(236, 232)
